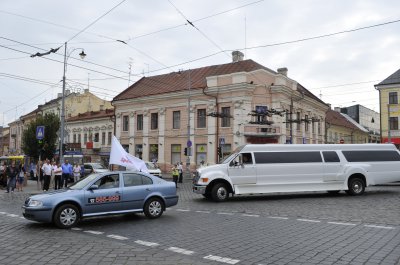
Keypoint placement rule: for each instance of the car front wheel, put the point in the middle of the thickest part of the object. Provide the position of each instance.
(356, 186)
(66, 216)
(153, 208)
(219, 192)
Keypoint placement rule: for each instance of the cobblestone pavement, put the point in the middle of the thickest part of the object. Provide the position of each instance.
(304, 228)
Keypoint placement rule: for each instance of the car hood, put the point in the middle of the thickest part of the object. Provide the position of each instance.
(54, 193)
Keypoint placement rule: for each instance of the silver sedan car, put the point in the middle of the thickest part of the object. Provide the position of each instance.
(115, 192)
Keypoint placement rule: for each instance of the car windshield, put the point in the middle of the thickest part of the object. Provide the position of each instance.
(83, 182)
(232, 155)
(150, 165)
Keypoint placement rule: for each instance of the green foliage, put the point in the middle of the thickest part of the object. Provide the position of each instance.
(46, 148)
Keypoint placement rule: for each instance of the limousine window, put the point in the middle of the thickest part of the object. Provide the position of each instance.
(371, 156)
(287, 157)
(330, 156)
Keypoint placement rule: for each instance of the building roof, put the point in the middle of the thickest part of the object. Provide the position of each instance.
(338, 119)
(392, 79)
(90, 115)
(179, 81)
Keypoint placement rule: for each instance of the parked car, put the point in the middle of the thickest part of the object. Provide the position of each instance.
(153, 169)
(90, 168)
(114, 192)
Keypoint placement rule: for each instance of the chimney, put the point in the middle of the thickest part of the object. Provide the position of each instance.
(59, 95)
(337, 109)
(67, 92)
(101, 107)
(237, 56)
(86, 90)
(283, 71)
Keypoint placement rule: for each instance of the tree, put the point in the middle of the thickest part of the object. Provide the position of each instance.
(46, 147)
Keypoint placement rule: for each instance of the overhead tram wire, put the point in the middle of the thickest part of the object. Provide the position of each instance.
(202, 33)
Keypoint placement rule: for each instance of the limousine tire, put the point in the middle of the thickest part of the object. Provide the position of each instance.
(219, 192)
(66, 216)
(356, 186)
(153, 208)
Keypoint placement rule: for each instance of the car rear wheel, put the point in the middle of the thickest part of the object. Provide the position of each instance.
(356, 186)
(66, 216)
(153, 208)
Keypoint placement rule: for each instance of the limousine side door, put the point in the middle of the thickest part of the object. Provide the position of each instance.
(333, 169)
(242, 169)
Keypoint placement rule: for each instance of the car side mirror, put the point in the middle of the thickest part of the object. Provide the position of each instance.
(94, 187)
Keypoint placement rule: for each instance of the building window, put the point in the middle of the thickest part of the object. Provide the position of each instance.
(154, 121)
(298, 121)
(176, 120)
(139, 150)
(85, 138)
(261, 110)
(103, 138)
(306, 123)
(125, 123)
(201, 118)
(394, 123)
(226, 120)
(176, 151)
(201, 154)
(96, 137)
(393, 98)
(153, 153)
(79, 138)
(139, 125)
(109, 138)
(74, 138)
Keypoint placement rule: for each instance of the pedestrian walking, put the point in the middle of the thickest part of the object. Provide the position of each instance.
(32, 169)
(57, 176)
(77, 172)
(66, 172)
(20, 177)
(46, 175)
(175, 174)
(11, 172)
(180, 170)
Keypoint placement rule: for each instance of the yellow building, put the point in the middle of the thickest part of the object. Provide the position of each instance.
(389, 90)
(341, 129)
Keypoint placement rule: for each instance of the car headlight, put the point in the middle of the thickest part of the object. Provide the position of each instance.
(35, 203)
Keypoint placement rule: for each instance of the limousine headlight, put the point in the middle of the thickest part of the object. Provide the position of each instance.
(35, 203)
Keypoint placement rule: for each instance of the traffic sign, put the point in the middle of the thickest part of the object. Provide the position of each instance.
(341, 141)
(40, 132)
(222, 141)
(189, 143)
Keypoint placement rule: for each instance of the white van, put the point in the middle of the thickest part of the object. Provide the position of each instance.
(267, 168)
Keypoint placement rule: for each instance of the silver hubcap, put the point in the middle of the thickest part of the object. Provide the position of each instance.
(155, 208)
(221, 193)
(357, 187)
(68, 217)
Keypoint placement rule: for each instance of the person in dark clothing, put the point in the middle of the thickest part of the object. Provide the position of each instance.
(11, 172)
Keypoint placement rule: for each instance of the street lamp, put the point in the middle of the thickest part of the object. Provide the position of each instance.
(82, 55)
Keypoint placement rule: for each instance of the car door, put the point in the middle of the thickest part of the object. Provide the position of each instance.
(242, 169)
(136, 189)
(106, 197)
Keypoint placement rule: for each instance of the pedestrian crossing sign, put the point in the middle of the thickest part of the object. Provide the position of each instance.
(40, 132)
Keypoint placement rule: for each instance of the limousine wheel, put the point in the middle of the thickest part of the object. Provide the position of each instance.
(66, 216)
(153, 208)
(356, 186)
(219, 192)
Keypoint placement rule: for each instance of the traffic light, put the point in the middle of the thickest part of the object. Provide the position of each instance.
(219, 151)
(186, 151)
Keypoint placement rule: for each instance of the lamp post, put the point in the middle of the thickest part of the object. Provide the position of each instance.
(189, 143)
(62, 129)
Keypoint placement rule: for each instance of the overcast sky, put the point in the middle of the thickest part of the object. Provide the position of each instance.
(341, 68)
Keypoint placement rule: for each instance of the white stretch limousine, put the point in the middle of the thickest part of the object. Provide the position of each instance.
(267, 168)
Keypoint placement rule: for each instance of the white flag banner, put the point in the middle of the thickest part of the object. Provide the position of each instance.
(118, 156)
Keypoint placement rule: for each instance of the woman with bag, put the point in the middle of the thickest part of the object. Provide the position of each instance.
(20, 177)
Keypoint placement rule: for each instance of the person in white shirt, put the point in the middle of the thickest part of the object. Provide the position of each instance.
(77, 172)
(46, 175)
(57, 176)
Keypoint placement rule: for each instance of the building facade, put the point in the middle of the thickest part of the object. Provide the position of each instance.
(215, 109)
(389, 90)
(342, 129)
(367, 118)
(90, 135)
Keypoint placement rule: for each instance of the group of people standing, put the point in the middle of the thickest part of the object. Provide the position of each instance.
(59, 174)
(15, 176)
(177, 173)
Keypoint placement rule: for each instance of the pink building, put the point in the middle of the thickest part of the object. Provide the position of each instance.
(215, 108)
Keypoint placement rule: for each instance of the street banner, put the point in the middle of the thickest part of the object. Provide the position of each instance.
(118, 156)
